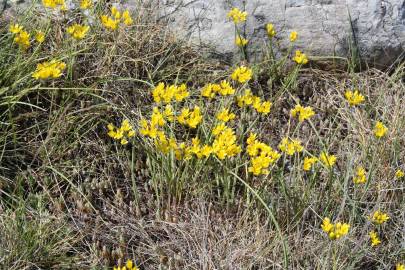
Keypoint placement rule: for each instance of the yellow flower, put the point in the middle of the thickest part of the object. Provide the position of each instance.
(300, 58)
(290, 147)
(237, 15)
(224, 115)
(400, 266)
(224, 88)
(308, 162)
(157, 118)
(15, 28)
(399, 174)
(262, 156)
(165, 145)
(354, 98)
(86, 4)
(122, 133)
(271, 32)
(181, 93)
(380, 129)
(109, 22)
(218, 129)
(148, 130)
(327, 160)
(78, 31)
(335, 231)
(115, 13)
(360, 177)
(242, 74)
(303, 112)
(190, 118)
(168, 113)
(249, 99)
(63, 7)
(39, 36)
(167, 94)
(264, 107)
(127, 20)
(327, 226)
(22, 38)
(293, 36)
(53, 3)
(224, 144)
(246, 99)
(240, 41)
(379, 217)
(208, 91)
(128, 266)
(51, 69)
(374, 239)
(195, 148)
(124, 141)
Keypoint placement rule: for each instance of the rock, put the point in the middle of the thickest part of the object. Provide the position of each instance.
(325, 27)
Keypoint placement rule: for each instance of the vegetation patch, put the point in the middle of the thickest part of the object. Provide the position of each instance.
(123, 147)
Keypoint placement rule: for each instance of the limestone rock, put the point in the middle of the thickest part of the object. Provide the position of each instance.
(325, 27)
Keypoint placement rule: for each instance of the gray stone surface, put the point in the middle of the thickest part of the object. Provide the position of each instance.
(325, 27)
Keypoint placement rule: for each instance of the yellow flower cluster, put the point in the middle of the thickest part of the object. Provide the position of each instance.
(240, 41)
(380, 129)
(335, 231)
(327, 160)
(195, 149)
(399, 174)
(224, 144)
(242, 74)
(51, 69)
(303, 113)
(261, 154)
(290, 147)
(300, 58)
(271, 32)
(190, 118)
(354, 98)
(360, 177)
(39, 36)
(224, 89)
(225, 116)
(54, 4)
(16, 28)
(374, 238)
(293, 36)
(128, 266)
(112, 22)
(237, 15)
(308, 163)
(400, 266)
(249, 99)
(122, 133)
(78, 31)
(86, 4)
(150, 129)
(164, 144)
(22, 38)
(379, 217)
(167, 94)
